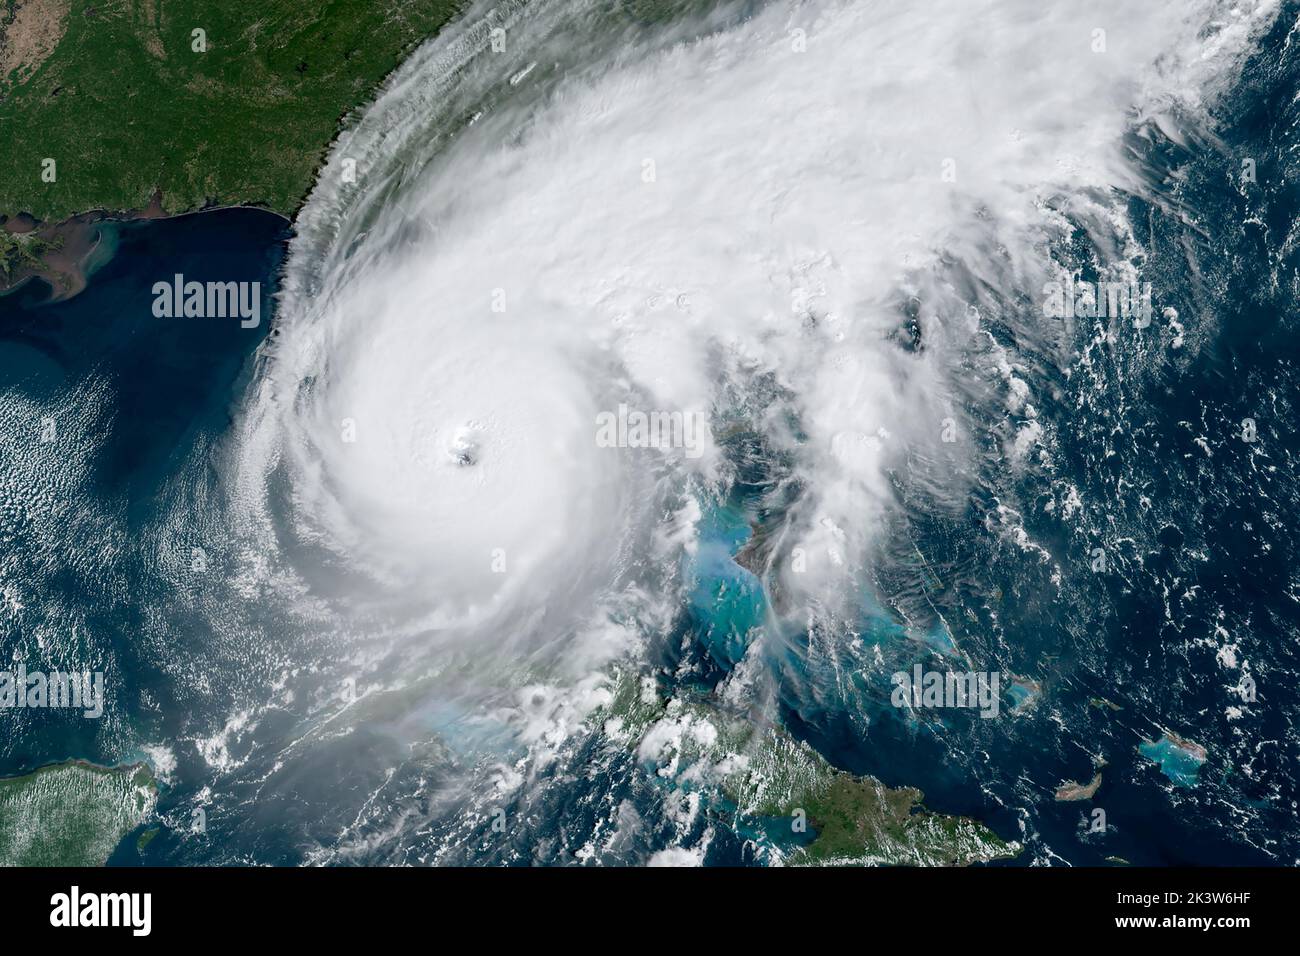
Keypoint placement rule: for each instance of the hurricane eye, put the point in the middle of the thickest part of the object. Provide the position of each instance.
(464, 450)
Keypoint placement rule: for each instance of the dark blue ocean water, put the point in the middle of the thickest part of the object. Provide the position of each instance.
(133, 398)
(171, 379)
(1198, 526)
(1200, 537)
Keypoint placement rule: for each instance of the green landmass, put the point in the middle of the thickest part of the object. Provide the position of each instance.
(764, 774)
(72, 814)
(145, 839)
(115, 94)
(17, 251)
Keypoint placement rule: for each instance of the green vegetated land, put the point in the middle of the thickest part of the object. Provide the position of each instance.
(764, 774)
(115, 93)
(71, 814)
(18, 251)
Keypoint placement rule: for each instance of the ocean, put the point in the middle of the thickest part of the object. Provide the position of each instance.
(358, 578)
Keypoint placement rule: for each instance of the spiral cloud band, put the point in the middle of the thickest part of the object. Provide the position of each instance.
(787, 223)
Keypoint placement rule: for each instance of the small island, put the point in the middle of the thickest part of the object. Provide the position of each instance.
(1069, 790)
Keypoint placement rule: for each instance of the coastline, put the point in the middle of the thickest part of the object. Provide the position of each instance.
(71, 243)
(73, 813)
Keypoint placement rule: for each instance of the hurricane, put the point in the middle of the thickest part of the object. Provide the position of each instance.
(650, 383)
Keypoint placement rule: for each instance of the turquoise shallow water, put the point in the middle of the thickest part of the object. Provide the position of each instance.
(1177, 763)
(728, 599)
(94, 528)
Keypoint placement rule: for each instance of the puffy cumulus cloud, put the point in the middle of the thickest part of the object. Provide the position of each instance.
(678, 856)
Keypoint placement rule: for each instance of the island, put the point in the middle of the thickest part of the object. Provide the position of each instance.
(771, 783)
(1069, 790)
